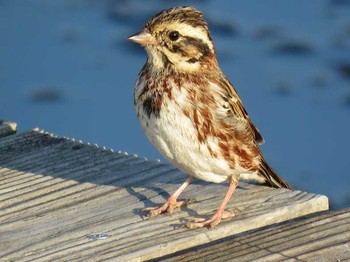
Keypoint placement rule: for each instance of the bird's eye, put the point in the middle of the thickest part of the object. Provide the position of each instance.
(174, 35)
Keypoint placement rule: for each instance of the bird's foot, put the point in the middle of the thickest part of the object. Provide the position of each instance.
(211, 222)
(168, 207)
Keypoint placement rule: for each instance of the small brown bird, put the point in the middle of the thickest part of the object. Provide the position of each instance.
(192, 114)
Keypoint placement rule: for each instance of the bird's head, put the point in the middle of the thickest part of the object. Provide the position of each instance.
(178, 37)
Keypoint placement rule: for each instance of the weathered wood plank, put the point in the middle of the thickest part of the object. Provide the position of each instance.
(320, 238)
(56, 191)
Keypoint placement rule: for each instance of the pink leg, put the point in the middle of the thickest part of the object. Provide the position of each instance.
(219, 214)
(171, 203)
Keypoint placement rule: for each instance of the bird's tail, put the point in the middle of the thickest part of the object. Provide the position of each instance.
(272, 178)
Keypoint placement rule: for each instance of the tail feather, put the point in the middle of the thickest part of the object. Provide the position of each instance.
(272, 178)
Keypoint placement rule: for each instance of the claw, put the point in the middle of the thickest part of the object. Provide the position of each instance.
(219, 214)
(171, 203)
(211, 222)
(169, 206)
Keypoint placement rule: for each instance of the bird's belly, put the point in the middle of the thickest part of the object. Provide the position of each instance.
(176, 138)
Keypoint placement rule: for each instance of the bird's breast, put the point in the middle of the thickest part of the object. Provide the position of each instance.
(175, 135)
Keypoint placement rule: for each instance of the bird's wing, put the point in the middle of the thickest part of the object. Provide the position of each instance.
(237, 109)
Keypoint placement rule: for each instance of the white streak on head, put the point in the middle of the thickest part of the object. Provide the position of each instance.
(194, 32)
(179, 60)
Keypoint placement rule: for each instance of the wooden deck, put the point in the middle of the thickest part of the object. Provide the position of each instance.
(323, 237)
(61, 199)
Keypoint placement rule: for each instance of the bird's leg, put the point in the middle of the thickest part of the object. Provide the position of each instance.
(171, 203)
(219, 214)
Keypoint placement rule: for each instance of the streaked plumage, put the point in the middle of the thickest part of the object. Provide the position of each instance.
(191, 113)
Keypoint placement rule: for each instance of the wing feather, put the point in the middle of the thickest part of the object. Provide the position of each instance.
(238, 110)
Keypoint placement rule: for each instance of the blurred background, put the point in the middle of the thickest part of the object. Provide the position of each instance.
(67, 67)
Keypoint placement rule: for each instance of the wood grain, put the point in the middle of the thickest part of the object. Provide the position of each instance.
(324, 237)
(54, 192)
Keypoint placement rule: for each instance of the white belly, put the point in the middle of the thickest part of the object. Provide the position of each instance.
(175, 137)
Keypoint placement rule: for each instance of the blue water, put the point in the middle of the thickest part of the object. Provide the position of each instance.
(66, 67)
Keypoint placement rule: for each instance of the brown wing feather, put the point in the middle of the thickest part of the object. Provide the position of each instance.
(239, 110)
(272, 178)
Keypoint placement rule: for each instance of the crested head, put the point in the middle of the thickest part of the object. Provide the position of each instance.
(183, 14)
(178, 37)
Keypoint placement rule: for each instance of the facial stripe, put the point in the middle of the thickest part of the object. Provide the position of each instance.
(202, 47)
(192, 60)
(191, 48)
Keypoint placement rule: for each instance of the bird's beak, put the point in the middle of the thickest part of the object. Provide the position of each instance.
(143, 38)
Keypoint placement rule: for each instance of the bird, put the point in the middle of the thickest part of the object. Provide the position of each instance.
(192, 114)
